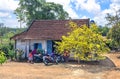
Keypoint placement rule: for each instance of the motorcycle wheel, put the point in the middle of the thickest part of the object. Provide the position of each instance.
(45, 62)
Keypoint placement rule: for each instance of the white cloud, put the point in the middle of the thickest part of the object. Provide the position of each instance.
(66, 6)
(8, 5)
(11, 22)
(115, 1)
(100, 18)
(71, 12)
(115, 4)
(2, 14)
(103, 1)
(84, 17)
(89, 5)
(7, 8)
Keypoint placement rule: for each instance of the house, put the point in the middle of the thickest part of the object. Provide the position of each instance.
(42, 34)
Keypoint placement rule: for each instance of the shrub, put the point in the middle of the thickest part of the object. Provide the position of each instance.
(2, 57)
(19, 53)
(11, 54)
(11, 46)
(5, 50)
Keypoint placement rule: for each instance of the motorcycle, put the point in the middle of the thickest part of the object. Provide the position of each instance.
(60, 58)
(50, 59)
(38, 58)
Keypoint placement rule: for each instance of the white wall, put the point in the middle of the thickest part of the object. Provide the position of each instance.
(24, 45)
(21, 45)
(43, 42)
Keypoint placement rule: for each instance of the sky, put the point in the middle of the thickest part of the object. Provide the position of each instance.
(77, 9)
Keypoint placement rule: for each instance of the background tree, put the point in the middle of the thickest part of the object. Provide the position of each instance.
(6, 45)
(85, 43)
(113, 19)
(103, 30)
(30, 10)
(114, 33)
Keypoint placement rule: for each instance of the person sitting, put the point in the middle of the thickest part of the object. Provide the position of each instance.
(66, 55)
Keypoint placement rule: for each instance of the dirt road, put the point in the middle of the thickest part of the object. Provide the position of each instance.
(16, 70)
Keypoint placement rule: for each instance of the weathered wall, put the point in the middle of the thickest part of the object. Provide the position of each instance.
(25, 45)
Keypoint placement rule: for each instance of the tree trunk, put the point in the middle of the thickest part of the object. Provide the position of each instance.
(78, 60)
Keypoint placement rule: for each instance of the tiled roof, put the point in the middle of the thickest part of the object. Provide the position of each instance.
(48, 29)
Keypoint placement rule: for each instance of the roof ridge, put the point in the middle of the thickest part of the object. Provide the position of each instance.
(61, 19)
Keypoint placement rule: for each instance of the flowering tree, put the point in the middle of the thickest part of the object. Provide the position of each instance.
(85, 43)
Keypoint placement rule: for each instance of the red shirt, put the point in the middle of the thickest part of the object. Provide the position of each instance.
(30, 55)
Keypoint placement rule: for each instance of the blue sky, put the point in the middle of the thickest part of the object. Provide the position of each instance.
(78, 9)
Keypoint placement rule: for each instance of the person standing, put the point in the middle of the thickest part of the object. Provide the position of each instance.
(30, 57)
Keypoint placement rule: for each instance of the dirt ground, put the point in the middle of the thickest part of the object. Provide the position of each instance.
(19, 70)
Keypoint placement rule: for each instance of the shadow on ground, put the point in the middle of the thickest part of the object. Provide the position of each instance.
(92, 66)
